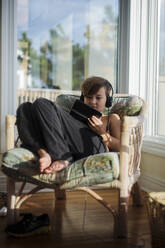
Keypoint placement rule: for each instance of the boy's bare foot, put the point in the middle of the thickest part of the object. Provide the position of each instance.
(57, 166)
(44, 160)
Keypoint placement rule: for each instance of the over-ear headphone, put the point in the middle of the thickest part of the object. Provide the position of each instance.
(109, 100)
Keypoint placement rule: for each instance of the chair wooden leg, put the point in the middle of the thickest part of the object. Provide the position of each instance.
(60, 194)
(58, 212)
(137, 195)
(121, 222)
(11, 200)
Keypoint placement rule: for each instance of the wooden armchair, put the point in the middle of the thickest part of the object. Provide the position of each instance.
(126, 182)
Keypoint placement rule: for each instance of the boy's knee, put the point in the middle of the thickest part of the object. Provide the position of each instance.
(22, 111)
(41, 102)
(25, 106)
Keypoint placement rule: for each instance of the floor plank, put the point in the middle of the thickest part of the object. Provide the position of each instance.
(80, 221)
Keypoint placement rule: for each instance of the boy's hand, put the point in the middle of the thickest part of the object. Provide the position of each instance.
(96, 125)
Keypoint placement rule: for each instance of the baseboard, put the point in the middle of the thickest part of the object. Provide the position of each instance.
(150, 184)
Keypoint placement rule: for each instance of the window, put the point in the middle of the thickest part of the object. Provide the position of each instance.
(59, 43)
(93, 22)
(152, 78)
(161, 72)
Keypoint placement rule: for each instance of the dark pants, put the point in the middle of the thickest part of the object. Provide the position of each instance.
(42, 124)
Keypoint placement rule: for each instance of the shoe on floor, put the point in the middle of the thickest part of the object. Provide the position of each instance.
(29, 225)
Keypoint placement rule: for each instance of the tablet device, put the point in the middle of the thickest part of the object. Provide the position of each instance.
(82, 111)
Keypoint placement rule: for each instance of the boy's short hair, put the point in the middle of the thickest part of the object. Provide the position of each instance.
(92, 84)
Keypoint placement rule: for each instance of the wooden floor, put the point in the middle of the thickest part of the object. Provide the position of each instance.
(76, 224)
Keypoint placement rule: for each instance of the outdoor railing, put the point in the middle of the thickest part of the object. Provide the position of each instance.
(31, 95)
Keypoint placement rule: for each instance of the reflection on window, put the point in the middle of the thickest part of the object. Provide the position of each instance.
(161, 84)
(62, 42)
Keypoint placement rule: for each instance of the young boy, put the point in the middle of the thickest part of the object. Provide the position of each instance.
(58, 138)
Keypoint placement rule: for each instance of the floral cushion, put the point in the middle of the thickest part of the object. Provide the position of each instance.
(22, 164)
(129, 105)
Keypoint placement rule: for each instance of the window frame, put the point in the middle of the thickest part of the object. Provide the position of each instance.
(153, 143)
(144, 69)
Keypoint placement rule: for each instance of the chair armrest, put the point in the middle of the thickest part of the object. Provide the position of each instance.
(130, 150)
(134, 121)
(10, 124)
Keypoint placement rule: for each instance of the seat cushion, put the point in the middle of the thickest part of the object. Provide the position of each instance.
(21, 164)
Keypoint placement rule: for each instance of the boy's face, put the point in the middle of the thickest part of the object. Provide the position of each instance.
(97, 100)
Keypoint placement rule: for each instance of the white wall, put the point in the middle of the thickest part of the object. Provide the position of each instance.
(152, 172)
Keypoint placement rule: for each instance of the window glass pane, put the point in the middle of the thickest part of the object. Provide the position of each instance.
(161, 83)
(62, 42)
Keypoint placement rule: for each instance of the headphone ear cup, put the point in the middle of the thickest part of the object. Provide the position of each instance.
(108, 103)
(82, 98)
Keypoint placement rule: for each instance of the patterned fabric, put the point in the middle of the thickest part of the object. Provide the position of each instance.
(22, 164)
(129, 105)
